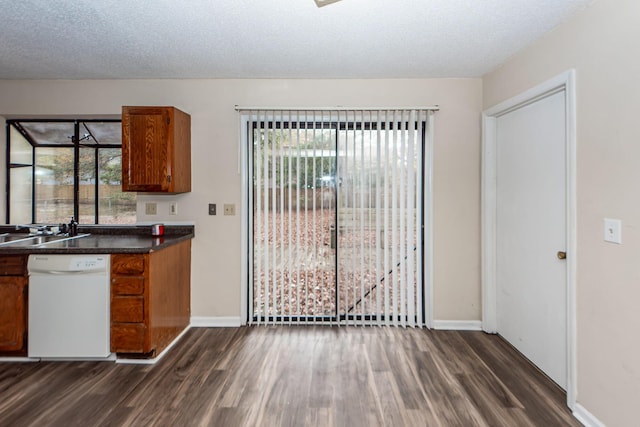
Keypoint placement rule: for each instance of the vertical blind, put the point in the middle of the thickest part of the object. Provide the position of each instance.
(337, 215)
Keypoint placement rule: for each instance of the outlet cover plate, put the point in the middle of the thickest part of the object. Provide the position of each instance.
(612, 230)
(151, 208)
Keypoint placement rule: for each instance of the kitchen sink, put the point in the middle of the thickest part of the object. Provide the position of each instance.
(23, 240)
(7, 238)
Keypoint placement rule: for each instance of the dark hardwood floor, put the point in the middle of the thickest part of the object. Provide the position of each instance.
(294, 376)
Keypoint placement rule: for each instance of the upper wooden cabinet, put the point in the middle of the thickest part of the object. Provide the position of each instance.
(156, 150)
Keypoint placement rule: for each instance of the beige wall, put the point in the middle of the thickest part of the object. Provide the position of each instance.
(602, 43)
(216, 249)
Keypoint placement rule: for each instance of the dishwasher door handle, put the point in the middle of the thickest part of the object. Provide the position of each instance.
(61, 272)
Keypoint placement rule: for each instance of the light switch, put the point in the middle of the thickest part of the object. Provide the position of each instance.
(229, 209)
(612, 230)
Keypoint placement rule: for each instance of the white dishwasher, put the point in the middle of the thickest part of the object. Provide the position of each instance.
(69, 306)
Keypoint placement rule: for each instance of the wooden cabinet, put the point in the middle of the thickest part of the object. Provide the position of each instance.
(150, 299)
(156, 150)
(13, 304)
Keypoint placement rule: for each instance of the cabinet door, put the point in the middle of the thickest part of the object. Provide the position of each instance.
(13, 265)
(127, 264)
(146, 163)
(13, 313)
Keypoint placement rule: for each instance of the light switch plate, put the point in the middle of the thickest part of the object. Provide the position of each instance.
(229, 209)
(212, 208)
(612, 230)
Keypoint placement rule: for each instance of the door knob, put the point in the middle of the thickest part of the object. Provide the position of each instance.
(562, 255)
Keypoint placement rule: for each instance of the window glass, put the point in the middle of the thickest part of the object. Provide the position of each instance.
(20, 199)
(116, 207)
(50, 133)
(20, 176)
(44, 192)
(103, 132)
(54, 185)
(87, 189)
(21, 151)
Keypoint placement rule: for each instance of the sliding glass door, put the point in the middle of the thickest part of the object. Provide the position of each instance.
(337, 216)
(294, 216)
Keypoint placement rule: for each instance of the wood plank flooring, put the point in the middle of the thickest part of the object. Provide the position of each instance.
(294, 376)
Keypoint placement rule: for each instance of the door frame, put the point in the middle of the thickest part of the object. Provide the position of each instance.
(246, 210)
(563, 82)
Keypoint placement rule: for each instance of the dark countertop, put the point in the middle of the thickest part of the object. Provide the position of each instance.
(106, 240)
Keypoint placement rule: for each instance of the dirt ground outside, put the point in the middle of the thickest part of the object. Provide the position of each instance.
(295, 267)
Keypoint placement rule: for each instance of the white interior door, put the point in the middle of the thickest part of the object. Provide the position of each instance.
(531, 281)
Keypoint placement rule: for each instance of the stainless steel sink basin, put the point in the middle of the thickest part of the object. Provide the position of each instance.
(39, 240)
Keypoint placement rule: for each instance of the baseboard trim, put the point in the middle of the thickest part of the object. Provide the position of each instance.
(19, 359)
(457, 325)
(585, 417)
(215, 322)
(235, 322)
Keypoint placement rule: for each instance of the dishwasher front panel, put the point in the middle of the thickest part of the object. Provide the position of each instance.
(69, 307)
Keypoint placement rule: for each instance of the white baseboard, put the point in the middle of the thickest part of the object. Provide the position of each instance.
(457, 325)
(235, 322)
(215, 322)
(19, 359)
(585, 417)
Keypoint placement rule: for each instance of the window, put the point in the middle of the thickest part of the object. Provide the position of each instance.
(58, 169)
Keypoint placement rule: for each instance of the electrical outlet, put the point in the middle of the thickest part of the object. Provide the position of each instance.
(173, 208)
(230, 209)
(212, 208)
(612, 230)
(151, 208)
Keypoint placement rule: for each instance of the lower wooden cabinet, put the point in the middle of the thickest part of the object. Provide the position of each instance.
(128, 337)
(127, 309)
(13, 305)
(150, 299)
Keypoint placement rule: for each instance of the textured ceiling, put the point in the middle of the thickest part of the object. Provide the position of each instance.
(83, 39)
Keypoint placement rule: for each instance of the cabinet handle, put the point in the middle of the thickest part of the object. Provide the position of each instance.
(168, 178)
